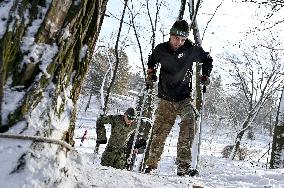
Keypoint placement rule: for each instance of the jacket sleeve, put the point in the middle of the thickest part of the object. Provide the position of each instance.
(130, 142)
(100, 127)
(206, 60)
(153, 60)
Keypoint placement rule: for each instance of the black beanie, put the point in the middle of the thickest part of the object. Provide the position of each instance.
(180, 28)
(130, 112)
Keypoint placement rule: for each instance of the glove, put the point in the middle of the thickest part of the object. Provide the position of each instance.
(4, 128)
(141, 143)
(101, 141)
(205, 80)
(151, 77)
(135, 151)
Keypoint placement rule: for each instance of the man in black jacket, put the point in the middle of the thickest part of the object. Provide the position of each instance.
(176, 59)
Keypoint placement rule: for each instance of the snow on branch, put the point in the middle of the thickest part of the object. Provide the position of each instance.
(38, 139)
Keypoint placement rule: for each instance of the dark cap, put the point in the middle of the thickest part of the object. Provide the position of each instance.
(180, 28)
(130, 113)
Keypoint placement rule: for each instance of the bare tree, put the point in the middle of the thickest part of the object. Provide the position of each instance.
(117, 58)
(276, 5)
(211, 18)
(194, 26)
(272, 18)
(133, 25)
(181, 9)
(258, 79)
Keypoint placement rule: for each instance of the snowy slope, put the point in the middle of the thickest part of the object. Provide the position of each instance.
(215, 171)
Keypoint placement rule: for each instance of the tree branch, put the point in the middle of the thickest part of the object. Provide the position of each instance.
(211, 19)
(181, 9)
(117, 58)
(137, 39)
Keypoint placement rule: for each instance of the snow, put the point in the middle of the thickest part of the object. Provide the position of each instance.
(81, 168)
(281, 107)
(38, 53)
(43, 54)
(83, 52)
(215, 171)
(66, 33)
(33, 28)
(11, 99)
(5, 7)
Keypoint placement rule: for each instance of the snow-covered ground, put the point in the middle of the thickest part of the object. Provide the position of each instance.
(82, 169)
(215, 171)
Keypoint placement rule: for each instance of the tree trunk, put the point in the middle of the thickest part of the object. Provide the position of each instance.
(45, 53)
(181, 9)
(198, 42)
(238, 140)
(277, 153)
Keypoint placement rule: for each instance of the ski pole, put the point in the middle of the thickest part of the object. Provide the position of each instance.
(96, 152)
(138, 125)
(147, 146)
(200, 125)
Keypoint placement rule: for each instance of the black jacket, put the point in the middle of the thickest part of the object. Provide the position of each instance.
(176, 68)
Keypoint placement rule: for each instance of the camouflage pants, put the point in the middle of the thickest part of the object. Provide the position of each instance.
(113, 157)
(165, 118)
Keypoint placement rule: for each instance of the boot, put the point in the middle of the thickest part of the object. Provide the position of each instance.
(186, 170)
(149, 170)
(4, 128)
